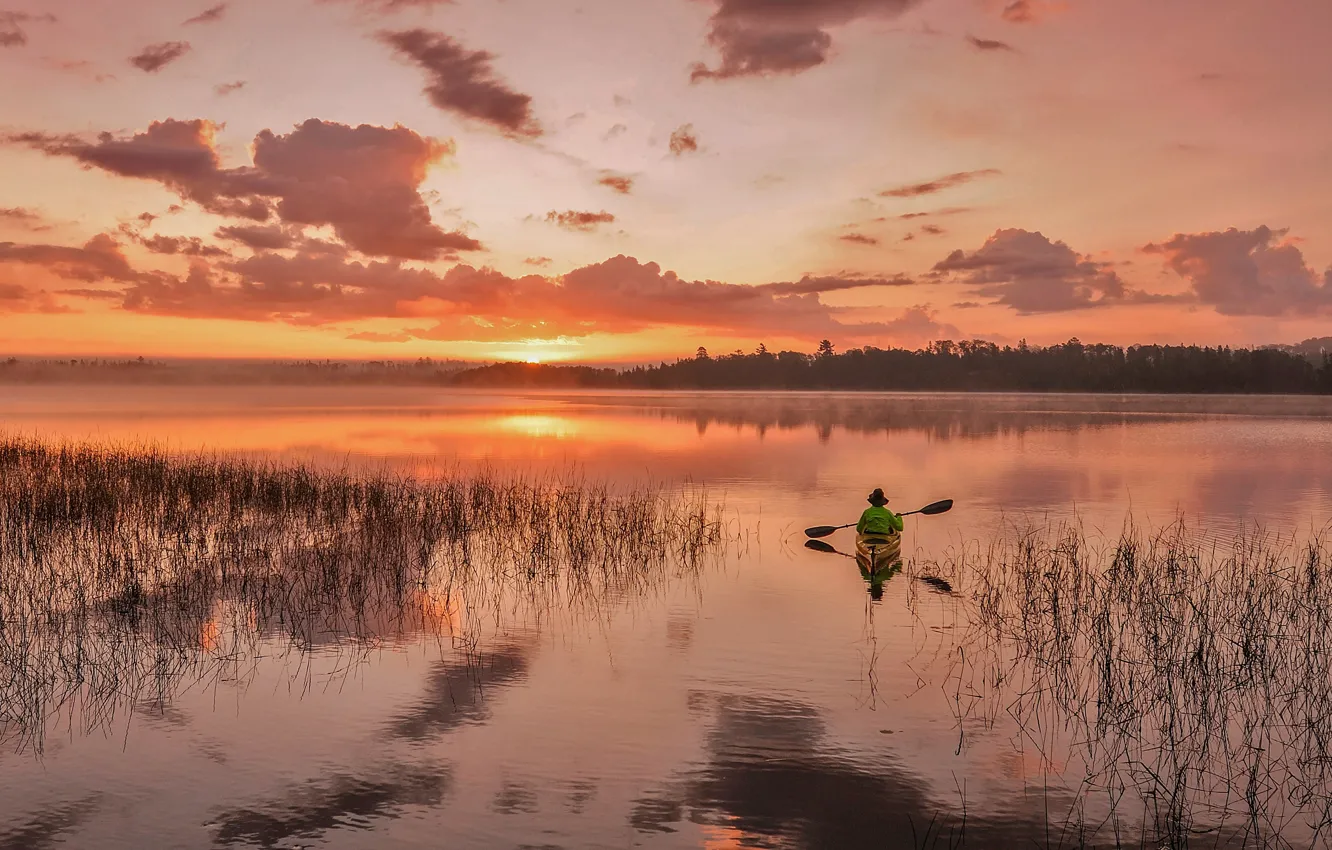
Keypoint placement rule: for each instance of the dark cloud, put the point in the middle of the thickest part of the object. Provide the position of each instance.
(224, 89)
(987, 44)
(210, 15)
(1026, 271)
(810, 284)
(684, 141)
(932, 230)
(155, 57)
(269, 237)
(1248, 272)
(915, 190)
(763, 37)
(99, 259)
(189, 246)
(540, 262)
(620, 183)
(12, 33)
(462, 81)
(615, 131)
(859, 239)
(944, 211)
(363, 181)
(575, 220)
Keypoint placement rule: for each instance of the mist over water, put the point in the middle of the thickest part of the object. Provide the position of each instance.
(762, 700)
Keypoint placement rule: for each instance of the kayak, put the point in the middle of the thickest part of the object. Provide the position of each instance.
(878, 551)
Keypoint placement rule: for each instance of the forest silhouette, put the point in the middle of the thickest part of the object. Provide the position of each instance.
(972, 365)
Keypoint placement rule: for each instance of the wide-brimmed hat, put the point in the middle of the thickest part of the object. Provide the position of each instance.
(877, 498)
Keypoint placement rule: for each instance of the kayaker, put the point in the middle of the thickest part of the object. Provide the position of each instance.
(877, 519)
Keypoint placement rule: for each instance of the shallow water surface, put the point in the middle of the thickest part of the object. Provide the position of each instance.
(761, 699)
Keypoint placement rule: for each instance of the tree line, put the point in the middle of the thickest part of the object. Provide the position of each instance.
(971, 365)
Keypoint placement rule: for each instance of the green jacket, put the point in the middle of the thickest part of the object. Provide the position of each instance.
(876, 520)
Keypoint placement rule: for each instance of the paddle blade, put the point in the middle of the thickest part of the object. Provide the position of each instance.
(937, 508)
(821, 530)
(820, 546)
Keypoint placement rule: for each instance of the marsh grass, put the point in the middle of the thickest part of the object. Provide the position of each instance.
(127, 572)
(1176, 693)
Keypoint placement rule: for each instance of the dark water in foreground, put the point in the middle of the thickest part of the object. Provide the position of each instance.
(763, 701)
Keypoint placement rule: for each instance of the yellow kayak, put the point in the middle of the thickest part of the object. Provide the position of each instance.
(878, 551)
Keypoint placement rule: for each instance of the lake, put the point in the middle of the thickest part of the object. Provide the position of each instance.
(761, 700)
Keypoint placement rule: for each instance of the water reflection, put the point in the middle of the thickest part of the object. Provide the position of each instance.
(339, 802)
(456, 693)
(47, 827)
(772, 776)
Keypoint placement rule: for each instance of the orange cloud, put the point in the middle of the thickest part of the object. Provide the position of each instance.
(620, 183)
(684, 141)
(574, 220)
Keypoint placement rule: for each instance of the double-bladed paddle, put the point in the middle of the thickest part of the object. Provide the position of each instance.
(928, 510)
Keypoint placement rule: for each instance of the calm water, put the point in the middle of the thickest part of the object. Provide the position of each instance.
(766, 702)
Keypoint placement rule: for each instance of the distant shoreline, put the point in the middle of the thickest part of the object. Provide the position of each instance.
(969, 366)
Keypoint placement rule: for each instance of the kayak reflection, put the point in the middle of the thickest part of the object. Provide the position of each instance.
(875, 576)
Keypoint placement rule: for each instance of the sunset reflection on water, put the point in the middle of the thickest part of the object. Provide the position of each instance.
(766, 701)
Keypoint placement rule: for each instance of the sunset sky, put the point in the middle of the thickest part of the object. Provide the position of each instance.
(611, 181)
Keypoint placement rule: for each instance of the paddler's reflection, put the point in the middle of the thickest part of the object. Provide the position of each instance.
(877, 578)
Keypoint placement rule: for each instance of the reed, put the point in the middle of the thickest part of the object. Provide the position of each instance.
(1177, 692)
(126, 570)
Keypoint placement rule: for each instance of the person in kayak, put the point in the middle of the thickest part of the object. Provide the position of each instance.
(877, 519)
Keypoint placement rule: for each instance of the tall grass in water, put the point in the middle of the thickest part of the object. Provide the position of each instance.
(126, 571)
(1181, 692)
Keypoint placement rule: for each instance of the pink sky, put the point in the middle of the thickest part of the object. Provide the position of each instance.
(609, 180)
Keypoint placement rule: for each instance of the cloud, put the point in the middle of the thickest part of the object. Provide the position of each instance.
(765, 37)
(372, 336)
(188, 246)
(99, 259)
(540, 262)
(462, 81)
(155, 57)
(1029, 11)
(258, 237)
(574, 220)
(615, 131)
(684, 141)
(859, 239)
(224, 89)
(362, 181)
(918, 325)
(385, 7)
(932, 230)
(620, 183)
(12, 33)
(23, 217)
(1026, 271)
(812, 284)
(210, 15)
(986, 44)
(619, 295)
(915, 190)
(1247, 272)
